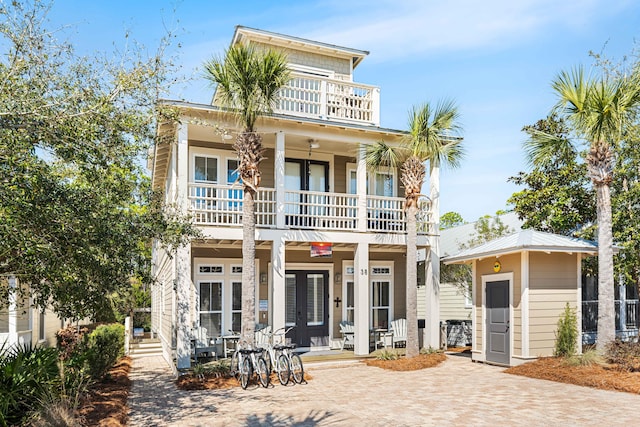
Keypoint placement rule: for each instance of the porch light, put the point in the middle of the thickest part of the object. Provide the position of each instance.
(338, 278)
(263, 278)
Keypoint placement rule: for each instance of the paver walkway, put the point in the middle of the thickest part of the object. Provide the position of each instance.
(456, 393)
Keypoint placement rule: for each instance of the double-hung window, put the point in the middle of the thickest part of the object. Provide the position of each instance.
(210, 307)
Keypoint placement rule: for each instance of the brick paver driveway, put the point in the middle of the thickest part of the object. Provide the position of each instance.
(458, 392)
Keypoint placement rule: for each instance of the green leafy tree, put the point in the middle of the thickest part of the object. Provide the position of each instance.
(76, 208)
(431, 137)
(451, 219)
(248, 81)
(598, 110)
(557, 197)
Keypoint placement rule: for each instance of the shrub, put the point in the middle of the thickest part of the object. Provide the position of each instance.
(68, 341)
(105, 346)
(588, 358)
(567, 333)
(387, 355)
(624, 354)
(430, 350)
(27, 375)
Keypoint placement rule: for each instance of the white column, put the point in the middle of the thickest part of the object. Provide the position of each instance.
(279, 181)
(432, 322)
(13, 311)
(278, 297)
(361, 299)
(524, 306)
(579, 300)
(183, 258)
(622, 290)
(361, 190)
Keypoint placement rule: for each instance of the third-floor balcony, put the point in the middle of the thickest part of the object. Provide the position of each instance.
(330, 99)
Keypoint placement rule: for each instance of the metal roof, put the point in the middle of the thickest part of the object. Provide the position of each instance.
(525, 240)
(451, 239)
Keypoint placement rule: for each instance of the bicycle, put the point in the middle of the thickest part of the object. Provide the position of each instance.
(247, 361)
(287, 364)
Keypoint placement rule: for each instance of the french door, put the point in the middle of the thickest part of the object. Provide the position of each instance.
(307, 307)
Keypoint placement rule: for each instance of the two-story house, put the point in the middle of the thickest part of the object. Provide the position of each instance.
(330, 235)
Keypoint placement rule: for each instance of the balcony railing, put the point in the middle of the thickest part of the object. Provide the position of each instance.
(330, 99)
(221, 205)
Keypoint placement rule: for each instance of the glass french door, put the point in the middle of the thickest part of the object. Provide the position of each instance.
(307, 307)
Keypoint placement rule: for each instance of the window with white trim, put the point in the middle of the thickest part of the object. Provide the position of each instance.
(205, 169)
(236, 306)
(211, 269)
(236, 269)
(210, 307)
(315, 299)
(349, 302)
(380, 290)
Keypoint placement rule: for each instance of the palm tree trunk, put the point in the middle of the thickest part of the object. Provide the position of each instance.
(606, 305)
(248, 265)
(413, 347)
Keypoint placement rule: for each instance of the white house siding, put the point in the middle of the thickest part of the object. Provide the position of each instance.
(552, 283)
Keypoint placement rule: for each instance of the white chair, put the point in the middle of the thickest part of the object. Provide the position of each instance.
(202, 344)
(348, 334)
(399, 332)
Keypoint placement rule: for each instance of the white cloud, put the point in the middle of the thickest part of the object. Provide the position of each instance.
(403, 28)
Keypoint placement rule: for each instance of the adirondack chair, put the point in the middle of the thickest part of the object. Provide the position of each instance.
(347, 331)
(399, 332)
(202, 345)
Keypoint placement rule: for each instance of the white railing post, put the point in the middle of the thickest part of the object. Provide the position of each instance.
(127, 334)
(323, 100)
(375, 106)
(279, 166)
(361, 190)
(13, 311)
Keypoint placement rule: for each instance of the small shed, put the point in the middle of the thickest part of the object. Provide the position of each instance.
(521, 283)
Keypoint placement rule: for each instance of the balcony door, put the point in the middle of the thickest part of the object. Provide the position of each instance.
(304, 179)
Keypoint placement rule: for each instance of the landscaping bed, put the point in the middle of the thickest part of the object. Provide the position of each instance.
(106, 404)
(421, 361)
(605, 376)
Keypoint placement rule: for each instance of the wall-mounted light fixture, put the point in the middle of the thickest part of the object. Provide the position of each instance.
(263, 278)
(338, 278)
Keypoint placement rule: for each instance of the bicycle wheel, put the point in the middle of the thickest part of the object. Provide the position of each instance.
(284, 372)
(296, 369)
(263, 372)
(234, 369)
(267, 358)
(245, 372)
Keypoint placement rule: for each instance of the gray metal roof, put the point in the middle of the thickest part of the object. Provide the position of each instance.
(451, 239)
(530, 240)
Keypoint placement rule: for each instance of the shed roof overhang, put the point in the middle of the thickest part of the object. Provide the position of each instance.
(525, 240)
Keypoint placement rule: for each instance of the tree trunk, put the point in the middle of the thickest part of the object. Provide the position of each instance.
(413, 347)
(248, 265)
(606, 305)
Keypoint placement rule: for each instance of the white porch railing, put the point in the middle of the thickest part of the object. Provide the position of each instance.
(319, 210)
(221, 205)
(217, 204)
(325, 98)
(24, 337)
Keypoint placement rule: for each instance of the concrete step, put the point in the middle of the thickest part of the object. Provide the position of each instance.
(146, 345)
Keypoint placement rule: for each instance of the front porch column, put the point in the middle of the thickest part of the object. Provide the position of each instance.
(361, 190)
(361, 299)
(278, 296)
(279, 181)
(182, 283)
(432, 265)
(13, 311)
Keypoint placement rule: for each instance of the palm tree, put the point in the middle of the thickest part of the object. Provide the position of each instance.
(598, 111)
(431, 137)
(248, 81)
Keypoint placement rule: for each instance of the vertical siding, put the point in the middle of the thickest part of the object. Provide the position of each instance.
(552, 283)
(340, 173)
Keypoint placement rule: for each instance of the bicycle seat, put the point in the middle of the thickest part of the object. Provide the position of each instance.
(248, 350)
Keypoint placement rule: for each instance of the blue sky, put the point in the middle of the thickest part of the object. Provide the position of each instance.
(495, 58)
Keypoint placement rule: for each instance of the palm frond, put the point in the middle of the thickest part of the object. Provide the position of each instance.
(542, 149)
(380, 154)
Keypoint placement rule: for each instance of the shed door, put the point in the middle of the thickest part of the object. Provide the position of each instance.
(498, 343)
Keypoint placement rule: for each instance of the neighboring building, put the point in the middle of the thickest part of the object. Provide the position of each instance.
(22, 324)
(316, 198)
(521, 284)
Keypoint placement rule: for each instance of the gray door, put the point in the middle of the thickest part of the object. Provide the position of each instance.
(498, 322)
(307, 307)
